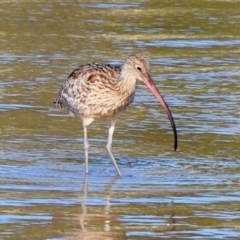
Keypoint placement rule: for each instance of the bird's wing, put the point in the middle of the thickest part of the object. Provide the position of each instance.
(95, 69)
(82, 78)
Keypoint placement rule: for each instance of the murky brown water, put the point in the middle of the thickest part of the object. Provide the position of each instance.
(193, 48)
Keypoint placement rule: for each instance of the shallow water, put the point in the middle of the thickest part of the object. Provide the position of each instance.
(193, 49)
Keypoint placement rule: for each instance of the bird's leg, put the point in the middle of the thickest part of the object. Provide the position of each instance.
(86, 147)
(109, 144)
(86, 122)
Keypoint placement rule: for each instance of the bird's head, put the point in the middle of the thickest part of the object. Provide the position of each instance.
(137, 68)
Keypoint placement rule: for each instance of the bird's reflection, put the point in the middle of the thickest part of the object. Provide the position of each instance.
(95, 217)
(86, 219)
(90, 220)
(84, 196)
(171, 220)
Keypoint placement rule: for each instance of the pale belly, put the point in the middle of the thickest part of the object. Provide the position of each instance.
(98, 107)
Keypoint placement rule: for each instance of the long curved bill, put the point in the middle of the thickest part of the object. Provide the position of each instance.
(155, 91)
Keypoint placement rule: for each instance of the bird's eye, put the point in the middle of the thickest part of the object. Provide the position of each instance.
(139, 68)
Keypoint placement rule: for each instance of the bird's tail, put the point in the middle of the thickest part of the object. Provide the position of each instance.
(58, 102)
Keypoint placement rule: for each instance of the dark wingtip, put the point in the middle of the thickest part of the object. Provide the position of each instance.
(58, 103)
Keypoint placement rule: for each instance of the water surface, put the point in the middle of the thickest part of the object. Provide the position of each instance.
(193, 49)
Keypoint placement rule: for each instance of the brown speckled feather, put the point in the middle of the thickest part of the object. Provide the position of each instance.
(94, 90)
(103, 91)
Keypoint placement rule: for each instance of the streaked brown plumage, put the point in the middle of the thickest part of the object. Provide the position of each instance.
(103, 91)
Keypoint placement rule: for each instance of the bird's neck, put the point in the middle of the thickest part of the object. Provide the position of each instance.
(127, 82)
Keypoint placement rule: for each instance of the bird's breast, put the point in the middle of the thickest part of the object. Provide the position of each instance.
(108, 106)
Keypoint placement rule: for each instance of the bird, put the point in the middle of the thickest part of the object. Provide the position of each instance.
(104, 91)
